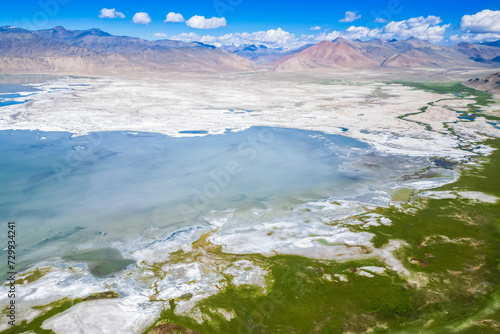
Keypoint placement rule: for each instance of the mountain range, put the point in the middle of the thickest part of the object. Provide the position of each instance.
(411, 52)
(94, 51)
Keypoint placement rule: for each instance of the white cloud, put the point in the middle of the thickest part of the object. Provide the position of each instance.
(486, 21)
(380, 20)
(307, 37)
(200, 22)
(106, 13)
(271, 38)
(328, 37)
(418, 21)
(475, 38)
(141, 18)
(316, 28)
(160, 34)
(350, 16)
(174, 17)
(186, 37)
(359, 32)
(428, 28)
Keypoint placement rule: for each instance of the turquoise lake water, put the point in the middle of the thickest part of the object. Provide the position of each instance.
(9, 91)
(63, 190)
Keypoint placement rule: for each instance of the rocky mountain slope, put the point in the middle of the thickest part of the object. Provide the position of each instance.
(324, 54)
(490, 84)
(411, 52)
(94, 51)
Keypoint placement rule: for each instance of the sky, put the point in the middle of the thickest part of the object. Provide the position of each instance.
(287, 24)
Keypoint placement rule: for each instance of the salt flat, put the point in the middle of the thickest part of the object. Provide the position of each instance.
(365, 110)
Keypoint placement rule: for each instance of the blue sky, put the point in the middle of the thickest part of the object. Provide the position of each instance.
(259, 20)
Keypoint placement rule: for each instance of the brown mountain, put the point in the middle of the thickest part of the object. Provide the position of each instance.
(376, 49)
(411, 52)
(414, 52)
(478, 52)
(94, 51)
(410, 58)
(490, 84)
(324, 54)
(16, 42)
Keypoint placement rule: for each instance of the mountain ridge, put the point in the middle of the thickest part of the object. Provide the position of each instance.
(408, 53)
(60, 50)
(325, 53)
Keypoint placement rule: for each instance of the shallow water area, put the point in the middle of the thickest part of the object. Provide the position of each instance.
(102, 262)
(10, 93)
(69, 192)
(15, 89)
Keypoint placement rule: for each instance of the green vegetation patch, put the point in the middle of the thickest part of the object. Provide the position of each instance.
(102, 295)
(301, 299)
(33, 275)
(455, 88)
(456, 244)
(326, 243)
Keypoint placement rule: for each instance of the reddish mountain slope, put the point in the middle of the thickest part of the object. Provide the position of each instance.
(324, 54)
